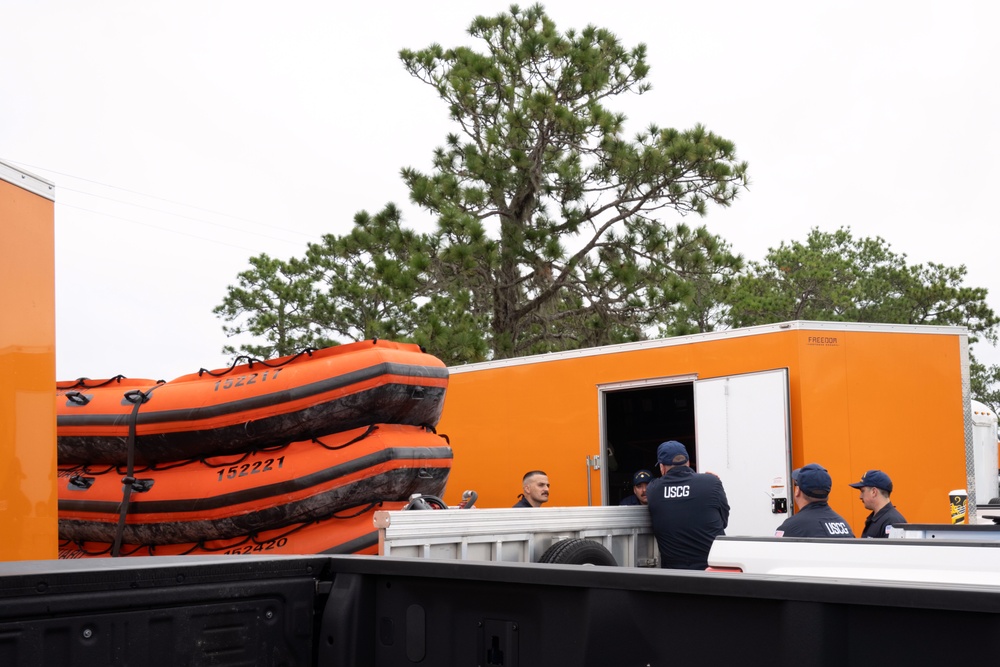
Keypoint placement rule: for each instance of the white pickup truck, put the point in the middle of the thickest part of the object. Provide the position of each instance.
(917, 560)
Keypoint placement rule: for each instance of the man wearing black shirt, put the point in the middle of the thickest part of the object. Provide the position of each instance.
(640, 481)
(688, 509)
(814, 516)
(875, 487)
(534, 489)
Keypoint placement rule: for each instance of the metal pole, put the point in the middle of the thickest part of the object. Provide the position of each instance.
(589, 500)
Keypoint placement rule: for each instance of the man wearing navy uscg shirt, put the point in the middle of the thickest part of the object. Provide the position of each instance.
(814, 516)
(688, 509)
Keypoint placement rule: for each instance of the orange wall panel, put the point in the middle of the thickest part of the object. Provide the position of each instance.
(28, 504)
(916, 434)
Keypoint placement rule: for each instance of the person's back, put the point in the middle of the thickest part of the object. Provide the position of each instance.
(817, 519)
(811, 486)
(688, 511)
(878, 523)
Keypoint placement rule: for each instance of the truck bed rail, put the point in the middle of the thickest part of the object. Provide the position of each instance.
(507, 535)
(913, 560)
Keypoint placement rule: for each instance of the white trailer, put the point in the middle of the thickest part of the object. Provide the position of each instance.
(984, 447)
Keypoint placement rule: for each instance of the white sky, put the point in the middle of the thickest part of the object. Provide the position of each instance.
(186, 137)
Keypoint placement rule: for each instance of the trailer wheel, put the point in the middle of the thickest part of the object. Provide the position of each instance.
(578, 551)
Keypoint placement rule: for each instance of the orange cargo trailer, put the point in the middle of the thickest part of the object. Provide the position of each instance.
(28, 506)
(750, 404)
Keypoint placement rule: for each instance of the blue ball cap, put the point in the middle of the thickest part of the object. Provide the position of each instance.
(813, 479)
(641, 477)
(671, 453)
(875, 478)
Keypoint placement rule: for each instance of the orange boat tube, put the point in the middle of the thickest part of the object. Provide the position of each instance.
(350, 531)
(259, 403)
(224, 497)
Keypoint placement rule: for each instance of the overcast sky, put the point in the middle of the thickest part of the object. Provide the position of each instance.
(186, 137)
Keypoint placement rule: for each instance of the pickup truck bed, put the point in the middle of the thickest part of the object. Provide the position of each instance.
(376, 611)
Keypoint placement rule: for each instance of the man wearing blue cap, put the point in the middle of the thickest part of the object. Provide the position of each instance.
(688, 509)
(640, 480)
(814, 516)
(876, 487)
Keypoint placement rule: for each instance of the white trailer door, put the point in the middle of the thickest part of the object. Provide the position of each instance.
(742, 434)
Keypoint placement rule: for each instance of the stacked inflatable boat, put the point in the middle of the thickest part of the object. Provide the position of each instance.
(290, 455)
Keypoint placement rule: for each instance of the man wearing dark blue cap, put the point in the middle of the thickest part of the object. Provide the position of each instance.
(813, 516)
(876, 487)
(688, 509)
(640, 480)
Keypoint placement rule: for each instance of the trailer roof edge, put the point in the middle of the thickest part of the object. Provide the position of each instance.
(27, 181)
(797, 325)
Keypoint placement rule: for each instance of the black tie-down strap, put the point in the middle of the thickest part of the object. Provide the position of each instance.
(136, 398)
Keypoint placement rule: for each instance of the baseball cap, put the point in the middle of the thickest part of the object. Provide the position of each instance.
(875, 478)
(641, 477)
(813, 479)
(671, 453)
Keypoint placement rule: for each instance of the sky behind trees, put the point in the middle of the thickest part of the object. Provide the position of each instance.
(185, 138)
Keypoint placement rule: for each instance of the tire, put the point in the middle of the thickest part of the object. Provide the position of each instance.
(578, 551)
(422, 502)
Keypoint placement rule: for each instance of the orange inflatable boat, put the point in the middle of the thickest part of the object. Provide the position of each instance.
(258, 403)
(224, 497)
(349, 531)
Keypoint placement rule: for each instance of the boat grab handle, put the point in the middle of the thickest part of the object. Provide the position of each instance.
(76, 398)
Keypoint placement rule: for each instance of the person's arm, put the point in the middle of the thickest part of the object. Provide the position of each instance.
(723, 505)
(786, 529)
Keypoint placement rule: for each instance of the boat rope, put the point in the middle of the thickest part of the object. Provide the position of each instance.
(82, 382)
(137, 398)
(254, 538)
(355, 515)
(250, 361)
(84, 469)
(201, 545)
(153, 467)
(213, 462)
(170, 465)
(82, 547)
(209, 462)
(332, 448)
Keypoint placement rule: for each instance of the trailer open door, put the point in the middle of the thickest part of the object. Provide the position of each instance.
(742, 431)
